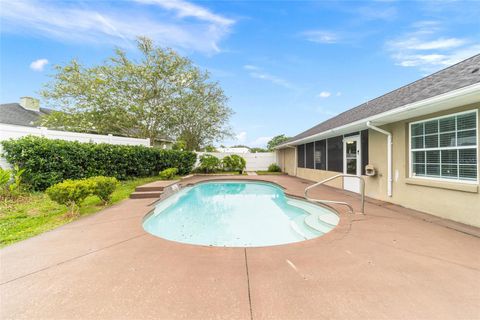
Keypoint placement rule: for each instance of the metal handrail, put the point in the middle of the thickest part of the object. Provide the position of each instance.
(362, 191)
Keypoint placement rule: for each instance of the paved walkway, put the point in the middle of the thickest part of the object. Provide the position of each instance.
(392, 263)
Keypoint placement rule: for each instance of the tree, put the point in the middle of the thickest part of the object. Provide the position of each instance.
(161, 94)
(275, 141)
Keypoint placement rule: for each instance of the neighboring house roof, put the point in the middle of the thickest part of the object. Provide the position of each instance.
(457, 76)
(14, 113)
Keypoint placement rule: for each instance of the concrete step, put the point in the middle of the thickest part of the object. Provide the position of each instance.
(148, 188)
(146, 195)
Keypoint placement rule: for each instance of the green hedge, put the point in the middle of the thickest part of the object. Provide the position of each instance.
(48, 162)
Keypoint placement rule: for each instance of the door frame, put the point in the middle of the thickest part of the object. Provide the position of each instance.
(359, 153)
(349, 183)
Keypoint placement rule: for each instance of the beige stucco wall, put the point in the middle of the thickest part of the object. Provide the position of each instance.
(286, 160)
(451, 200)
(318, 175)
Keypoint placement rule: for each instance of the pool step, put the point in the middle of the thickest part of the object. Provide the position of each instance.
(146, 195)
(298, 225)
(314, 222)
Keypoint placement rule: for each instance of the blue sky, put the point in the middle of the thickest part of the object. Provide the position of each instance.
(285, 65)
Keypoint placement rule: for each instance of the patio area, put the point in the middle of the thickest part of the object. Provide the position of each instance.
(391, 263)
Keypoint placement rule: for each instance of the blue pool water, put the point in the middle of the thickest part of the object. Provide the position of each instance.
(237, 214)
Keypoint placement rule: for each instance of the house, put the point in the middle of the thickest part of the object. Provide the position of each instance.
(28, 112)
(416, 146)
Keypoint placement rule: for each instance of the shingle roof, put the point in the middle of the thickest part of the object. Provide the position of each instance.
(14, 113)
(457, 76)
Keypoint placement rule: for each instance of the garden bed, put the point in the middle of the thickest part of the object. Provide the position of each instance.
(34, 213)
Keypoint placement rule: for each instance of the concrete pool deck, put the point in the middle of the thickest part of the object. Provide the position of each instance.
(391, 263)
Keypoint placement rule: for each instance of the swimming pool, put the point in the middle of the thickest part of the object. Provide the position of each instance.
(237, 214)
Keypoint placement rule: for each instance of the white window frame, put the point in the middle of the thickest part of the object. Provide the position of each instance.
(410, 163)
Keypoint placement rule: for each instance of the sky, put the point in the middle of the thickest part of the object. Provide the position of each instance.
(285, 65)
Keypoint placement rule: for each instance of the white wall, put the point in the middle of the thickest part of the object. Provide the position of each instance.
(8, 131)
(255, 161)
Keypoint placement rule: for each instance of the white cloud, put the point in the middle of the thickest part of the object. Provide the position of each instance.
(326, 112)
(186, 9)
(321, 36)
(376, 13)
(426, 49)
(339, 94)
(241, 137)
(258, 73)
(260, 142)
(38, 65)
(182, 25)
(324, 94)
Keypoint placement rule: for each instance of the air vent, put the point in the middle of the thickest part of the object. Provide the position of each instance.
(475, 70)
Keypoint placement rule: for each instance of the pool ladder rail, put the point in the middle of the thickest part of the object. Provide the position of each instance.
(362, 192)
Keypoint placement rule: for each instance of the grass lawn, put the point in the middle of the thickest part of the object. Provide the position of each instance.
(263, 173)
(35, 213)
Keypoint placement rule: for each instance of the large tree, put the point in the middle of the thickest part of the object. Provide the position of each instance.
(161, 94)
(275, 141)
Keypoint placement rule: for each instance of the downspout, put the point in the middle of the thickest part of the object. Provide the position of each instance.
(389, 156)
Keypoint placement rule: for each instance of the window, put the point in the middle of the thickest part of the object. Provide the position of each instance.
(445, 147)
(301, 156)
(309, 156)
(335, 154)
(320, 155)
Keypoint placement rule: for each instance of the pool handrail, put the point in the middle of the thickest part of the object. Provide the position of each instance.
(362, 192)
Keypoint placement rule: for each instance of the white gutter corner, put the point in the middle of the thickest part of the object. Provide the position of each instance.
(389, 155)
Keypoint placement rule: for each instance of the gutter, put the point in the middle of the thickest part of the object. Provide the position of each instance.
(389, 155)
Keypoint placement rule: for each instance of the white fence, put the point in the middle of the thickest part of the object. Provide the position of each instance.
(255, 161)
(14, 132)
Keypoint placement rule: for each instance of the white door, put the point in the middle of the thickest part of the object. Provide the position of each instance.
(352, 163)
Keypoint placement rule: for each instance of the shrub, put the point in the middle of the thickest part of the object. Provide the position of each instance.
(103, 187)
(274, 168)
(48, 162)
(4, 179)
(168, 174)
(10, 181)
(209, 163)
(70, 192)
(234, 163)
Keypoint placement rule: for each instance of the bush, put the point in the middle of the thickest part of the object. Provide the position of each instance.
(103, 187)
(234, 163)
(4, 179)
(209, 163)
(48, 162)
(70, 192)
(168, 174)
(274, 168)
(10, 181)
